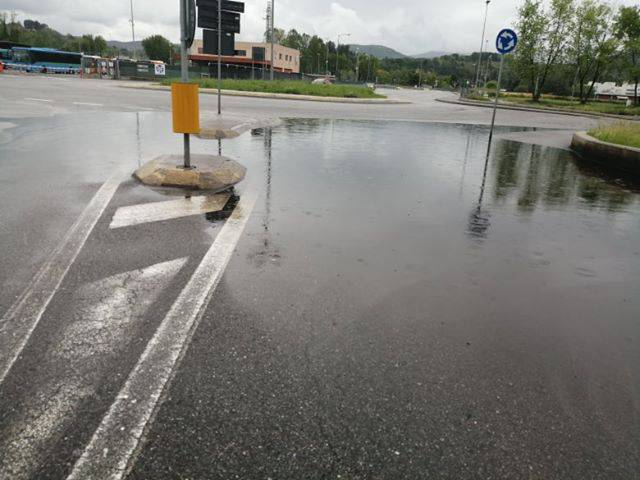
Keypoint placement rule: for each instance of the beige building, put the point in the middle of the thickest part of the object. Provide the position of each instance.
(285, 59)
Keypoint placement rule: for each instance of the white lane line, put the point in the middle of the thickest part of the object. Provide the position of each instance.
(19, 322)
(158, 211)
(112, 446)
(106, 315)
(86, 104)
(38, 99)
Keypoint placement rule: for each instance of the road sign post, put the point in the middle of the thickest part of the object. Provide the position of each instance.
(223, 18)
(219, 57)
(185, 106)
(506, 42)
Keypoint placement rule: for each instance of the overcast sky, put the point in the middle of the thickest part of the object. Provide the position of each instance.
(410, 26)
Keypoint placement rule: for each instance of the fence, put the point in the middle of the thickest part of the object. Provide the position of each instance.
(21, 67)
(151, 71)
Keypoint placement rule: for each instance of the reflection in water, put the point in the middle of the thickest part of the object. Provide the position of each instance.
(467, 150)
(138, 144)
(479, 221)
(528, 177)
(535, 176)
(267, 251)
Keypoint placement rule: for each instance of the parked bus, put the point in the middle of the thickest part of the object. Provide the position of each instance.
(44, 60)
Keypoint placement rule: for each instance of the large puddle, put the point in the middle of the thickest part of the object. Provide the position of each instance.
(437, 312)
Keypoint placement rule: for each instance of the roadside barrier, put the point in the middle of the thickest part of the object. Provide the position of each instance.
(17, 67)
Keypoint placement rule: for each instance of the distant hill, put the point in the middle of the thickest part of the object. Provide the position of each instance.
(125, 45)
(379, 51)
(431, 54)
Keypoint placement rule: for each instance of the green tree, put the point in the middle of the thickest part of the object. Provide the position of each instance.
(157, 48)
(278, 35)
(543, 38)
(592, 44)
(531, 28)
(100, 46)
(627, 30)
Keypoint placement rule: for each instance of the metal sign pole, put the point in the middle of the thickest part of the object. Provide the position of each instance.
(219, 57)
(273, 6)
(506, 42)
(495, 104)
(184, 70)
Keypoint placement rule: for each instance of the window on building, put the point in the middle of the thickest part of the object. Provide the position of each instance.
(280, 56)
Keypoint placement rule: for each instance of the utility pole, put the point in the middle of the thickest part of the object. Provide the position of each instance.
(273, 2)
(133, 31)
(484, 27)
(357, 65)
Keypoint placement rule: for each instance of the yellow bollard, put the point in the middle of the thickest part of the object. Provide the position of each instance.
(186, 108)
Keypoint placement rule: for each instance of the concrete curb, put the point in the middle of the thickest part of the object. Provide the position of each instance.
(278, 96)
(505, 106)
(610, 154)
(214, 128)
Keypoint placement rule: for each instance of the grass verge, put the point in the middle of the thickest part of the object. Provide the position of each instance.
(621, 133)
(610, 108)
(290, 87)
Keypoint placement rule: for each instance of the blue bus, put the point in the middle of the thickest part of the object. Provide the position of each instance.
(45, 60)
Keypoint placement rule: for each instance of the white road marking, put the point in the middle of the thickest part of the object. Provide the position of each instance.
(86, 104)
(112, 446)
(106, 314)
(158, 211)
(38, 99)
(19, 322)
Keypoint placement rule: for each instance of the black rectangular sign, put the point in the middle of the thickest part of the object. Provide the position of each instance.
(231, 25)
(227, 5)
(210, 45)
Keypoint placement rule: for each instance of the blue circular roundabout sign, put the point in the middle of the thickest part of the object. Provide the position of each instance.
(506, 41)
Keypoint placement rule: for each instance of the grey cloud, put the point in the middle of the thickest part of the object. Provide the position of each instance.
(411, 26)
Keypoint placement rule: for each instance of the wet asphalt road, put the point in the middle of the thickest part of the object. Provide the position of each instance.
(388, 312)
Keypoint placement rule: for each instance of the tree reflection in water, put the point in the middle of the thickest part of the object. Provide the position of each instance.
(529, 177)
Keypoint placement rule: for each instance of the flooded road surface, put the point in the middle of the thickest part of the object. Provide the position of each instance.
(395, 310)
(396, 307)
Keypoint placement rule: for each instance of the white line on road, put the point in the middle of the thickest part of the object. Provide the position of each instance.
(86, 104)
(21, 319)
(38, 99)
(112, 446)
(158, 211)
(104, 319)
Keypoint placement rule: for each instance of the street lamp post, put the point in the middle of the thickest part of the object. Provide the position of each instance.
(133, 31)
(326, 60)
(338, 50)
(484, 27)
(273, 6)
